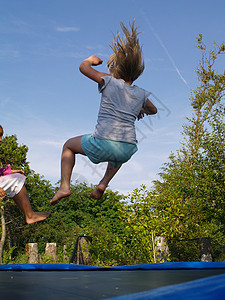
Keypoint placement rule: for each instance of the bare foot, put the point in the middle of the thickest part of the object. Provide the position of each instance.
(98, 192)
(61, 193)
(37, 217)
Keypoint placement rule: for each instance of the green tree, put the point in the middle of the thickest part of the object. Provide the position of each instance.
(140, 222)
(14, 154)
(191, 190)
(100, 219)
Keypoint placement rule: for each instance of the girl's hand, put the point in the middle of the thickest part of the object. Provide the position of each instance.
(141, 114)
(18, 171)
(87, 69)
(2, 193)
(148, 109)
(95, 60)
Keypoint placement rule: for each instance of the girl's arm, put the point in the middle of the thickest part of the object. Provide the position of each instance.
(148, 109)
(7, 171)
(18, 171)
(86, 69)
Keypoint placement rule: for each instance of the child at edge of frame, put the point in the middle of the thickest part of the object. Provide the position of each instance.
(12, 184)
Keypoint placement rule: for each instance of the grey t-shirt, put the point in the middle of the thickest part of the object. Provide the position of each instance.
(119, 108)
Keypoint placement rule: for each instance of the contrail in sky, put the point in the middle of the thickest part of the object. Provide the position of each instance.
(164, 48)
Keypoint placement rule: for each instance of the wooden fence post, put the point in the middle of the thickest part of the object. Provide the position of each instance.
(32, 251)
(161, 249)
(205, 249)
(82, 251)
(50, 251)
(2, 241)
(64, 252)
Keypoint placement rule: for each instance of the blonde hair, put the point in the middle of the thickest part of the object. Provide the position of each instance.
(127, 61)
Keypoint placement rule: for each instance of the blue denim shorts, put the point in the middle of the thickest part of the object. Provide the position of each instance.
(99, 150)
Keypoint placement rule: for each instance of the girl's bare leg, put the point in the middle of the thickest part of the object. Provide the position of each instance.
(23, 202)
(109, 174)
(70, 148)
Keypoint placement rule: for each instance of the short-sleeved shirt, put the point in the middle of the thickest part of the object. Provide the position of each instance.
(119, 108)
(5, 170)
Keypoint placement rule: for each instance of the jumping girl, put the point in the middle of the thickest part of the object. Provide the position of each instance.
(114, 138)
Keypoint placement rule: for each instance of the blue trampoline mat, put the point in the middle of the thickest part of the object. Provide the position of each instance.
(186, 280)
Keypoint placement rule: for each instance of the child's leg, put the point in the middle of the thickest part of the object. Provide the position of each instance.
(22, 201)
(70, 148)
(109, 174)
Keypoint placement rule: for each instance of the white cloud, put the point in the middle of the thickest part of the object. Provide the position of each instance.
(67, 29)
(51, 143)
(6, 52)
(89, 47)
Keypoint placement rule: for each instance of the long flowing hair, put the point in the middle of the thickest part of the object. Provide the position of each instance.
(127, 60)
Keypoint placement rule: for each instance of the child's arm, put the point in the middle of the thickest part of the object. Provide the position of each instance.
(148, 109)
(86, 69)
(7, 171)
(18, 171)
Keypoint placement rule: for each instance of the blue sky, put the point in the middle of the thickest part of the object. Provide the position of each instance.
(45, 100)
